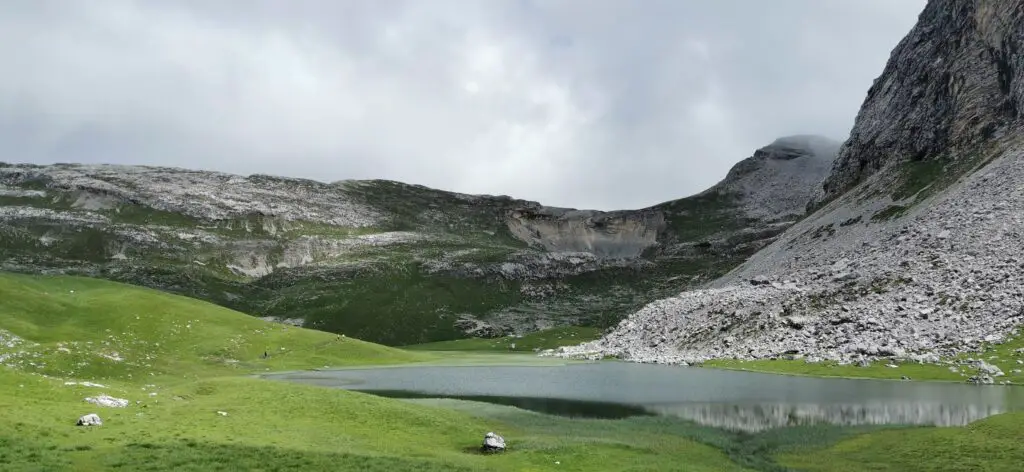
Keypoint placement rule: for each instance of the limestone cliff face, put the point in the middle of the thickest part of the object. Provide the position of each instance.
(955, 80)
(614, 235)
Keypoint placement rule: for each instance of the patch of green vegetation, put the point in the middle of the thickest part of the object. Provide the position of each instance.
(989, 444)
(310, 228)
(35, 202)
(915, 176)
(419, 208)
(923, 178)
(395, 304)
(875, 370)
(888, 213)
(700, 216)
(546, 339)
(137, 214)
(53, 240)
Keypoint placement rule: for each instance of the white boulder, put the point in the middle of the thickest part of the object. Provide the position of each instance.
(92, 419)
(493, 443)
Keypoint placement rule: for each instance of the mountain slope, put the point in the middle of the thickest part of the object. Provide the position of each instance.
(391, 262)
(79, 327)
(914, 250)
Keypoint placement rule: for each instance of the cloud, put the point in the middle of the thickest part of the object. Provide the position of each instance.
(597, 104)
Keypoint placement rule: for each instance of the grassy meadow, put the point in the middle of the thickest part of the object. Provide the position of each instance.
(188, 369)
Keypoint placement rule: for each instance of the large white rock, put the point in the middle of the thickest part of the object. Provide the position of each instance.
(92, 419)
(493, 443)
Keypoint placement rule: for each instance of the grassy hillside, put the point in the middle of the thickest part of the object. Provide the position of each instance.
(547, 339)
(184, 360)
(991, 444)
(180, 361)
(90, 328)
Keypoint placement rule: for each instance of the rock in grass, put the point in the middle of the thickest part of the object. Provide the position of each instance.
(981, 379)
(493, 443)
(92, 419)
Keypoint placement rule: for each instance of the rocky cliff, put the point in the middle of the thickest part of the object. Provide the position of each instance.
(914, 252)
(391, 262)
(954, 82)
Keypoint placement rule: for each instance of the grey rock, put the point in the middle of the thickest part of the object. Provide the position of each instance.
(981, 379)
(493, 443)
(91, 419)
(953, 81)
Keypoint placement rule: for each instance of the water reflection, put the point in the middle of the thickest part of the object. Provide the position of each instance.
(760, 417)
(551, 406)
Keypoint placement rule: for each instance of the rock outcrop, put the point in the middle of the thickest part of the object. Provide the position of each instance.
(911, 260)
(613, 235)
(956, 80)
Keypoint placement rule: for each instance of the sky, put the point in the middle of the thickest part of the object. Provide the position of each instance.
(601, 104)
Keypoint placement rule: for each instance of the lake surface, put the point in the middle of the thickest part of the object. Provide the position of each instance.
(728, 399)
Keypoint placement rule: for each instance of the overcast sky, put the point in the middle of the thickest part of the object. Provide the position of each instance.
(600, 104)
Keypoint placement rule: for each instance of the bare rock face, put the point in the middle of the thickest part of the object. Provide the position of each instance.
(615, 235)
(781, 178)
(955, 80)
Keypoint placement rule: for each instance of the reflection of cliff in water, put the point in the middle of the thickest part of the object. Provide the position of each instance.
(758, 417)
(550, 406)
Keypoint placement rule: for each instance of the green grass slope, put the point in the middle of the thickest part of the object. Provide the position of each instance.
(180, 361)
(991, 444)
(547, 339)
(93, 328)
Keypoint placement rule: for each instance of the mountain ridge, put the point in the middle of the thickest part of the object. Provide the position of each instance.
(382, 260)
